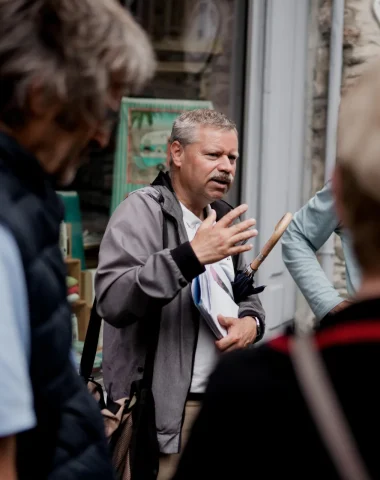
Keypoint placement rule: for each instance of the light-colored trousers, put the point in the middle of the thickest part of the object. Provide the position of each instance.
(168, 463)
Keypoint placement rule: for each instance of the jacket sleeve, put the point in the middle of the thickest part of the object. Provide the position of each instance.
(135, 274)
(310, 228)
(251, 306)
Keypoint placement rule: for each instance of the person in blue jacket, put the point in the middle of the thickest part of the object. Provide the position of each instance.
(310, 228)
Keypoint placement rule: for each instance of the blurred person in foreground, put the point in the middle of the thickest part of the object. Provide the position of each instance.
(64, 66)
(254, 422)
(137, 277)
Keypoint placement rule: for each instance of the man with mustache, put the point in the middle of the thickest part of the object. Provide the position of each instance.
(136, 276)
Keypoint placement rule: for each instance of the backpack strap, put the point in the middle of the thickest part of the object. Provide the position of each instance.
(93, 329)
(90, 344)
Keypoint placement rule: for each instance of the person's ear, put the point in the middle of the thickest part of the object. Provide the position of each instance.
(39, 104)
(176, 153)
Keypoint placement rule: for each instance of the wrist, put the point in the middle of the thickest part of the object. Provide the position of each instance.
(258, 328)
(260, 325)
(201, 258)
(341, 306)
(187, 261)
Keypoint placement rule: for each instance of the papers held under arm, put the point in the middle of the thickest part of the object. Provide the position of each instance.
(212, 295)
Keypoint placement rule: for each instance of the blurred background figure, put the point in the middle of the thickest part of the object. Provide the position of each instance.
(64, 66)
(280, 439)
(310, 228)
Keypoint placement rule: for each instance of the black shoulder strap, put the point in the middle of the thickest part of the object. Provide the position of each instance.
(93, 331)
(90, 343)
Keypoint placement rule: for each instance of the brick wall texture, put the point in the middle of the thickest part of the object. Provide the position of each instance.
(361, 42)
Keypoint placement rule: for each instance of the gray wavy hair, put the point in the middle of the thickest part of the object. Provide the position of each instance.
(76, 50)
(185, 126)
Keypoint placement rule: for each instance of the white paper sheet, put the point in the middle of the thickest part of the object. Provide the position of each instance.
(212, 295)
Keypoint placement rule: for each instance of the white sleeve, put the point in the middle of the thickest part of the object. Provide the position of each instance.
(16, 397)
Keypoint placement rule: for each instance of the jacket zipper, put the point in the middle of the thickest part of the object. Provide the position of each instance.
(175, 221)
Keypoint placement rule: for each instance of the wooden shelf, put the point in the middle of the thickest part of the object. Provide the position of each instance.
(80, 308)
(82, 312)
(74, 270)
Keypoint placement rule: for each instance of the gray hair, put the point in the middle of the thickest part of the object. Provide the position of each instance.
(75, 50)
(185, 126)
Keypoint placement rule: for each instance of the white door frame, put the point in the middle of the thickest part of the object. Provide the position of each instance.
(264, 86)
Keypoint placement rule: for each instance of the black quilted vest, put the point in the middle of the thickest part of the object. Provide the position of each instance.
(68, 442)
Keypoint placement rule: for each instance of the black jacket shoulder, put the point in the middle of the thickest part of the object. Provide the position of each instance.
(221, 208)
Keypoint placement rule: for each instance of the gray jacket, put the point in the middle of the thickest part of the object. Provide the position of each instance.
(135, 278)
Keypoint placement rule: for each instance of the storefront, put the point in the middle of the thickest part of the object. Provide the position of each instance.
(248, 59)
(200, 48)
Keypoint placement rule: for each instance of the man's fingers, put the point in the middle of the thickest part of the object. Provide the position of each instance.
(230, 339)
(226, 343)
(226, 322)
(243, 236)
(242, 226)
(233, 347)
(240, 249)
(233, 215)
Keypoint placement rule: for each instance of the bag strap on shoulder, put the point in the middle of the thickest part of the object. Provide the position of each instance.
(153, 332)
(90, 344)
(325, 408)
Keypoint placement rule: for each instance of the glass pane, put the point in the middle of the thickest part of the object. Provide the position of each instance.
(200, 52)
(194, 42)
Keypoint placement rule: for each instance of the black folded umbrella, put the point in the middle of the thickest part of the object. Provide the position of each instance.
(243, 285)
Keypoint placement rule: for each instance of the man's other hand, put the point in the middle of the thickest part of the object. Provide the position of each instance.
(241, 333)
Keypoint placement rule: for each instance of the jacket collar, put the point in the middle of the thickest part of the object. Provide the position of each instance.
(163, 179)
(23, 164)
(171, 203)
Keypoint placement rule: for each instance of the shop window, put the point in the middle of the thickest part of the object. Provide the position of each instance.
(200, 51)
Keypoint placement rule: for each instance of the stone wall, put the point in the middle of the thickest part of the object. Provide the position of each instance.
(361, 42)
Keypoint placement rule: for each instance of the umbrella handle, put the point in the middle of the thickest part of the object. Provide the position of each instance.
(279, 230)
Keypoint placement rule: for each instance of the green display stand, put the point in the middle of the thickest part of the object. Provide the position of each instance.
(73, 216)
(142, 140)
